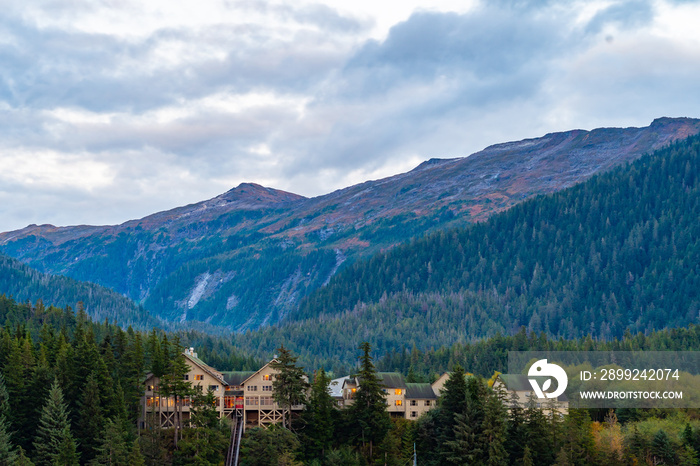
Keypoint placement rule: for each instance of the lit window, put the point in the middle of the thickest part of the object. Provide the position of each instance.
(198, 377)
(397, 391)
(353, 390)
(398, 402)
(267, 377)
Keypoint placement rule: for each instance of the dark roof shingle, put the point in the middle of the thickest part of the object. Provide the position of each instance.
(420, 391)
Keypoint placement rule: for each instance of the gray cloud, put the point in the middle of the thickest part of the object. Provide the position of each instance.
(154, 118)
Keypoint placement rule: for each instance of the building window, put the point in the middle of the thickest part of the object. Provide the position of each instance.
(252, 388)
(151, 387)
(427, 403)
(267, 388)
(414, 402)
(397, 391)
(414, 414)
(186, 377)
(266, 401)
(398, 402)
(214, 388)
(252, 401)
(267, 377)
(198, 377)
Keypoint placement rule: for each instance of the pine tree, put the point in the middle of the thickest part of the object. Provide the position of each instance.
(289, 384)
(368, 412)
(54, 440)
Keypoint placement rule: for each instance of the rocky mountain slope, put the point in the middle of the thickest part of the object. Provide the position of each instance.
(246, 257)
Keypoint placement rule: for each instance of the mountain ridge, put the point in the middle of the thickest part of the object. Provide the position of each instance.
(286, 245)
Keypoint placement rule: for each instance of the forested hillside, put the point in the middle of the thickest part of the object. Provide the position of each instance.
(247, 257)
(618, 252)
(26, 284)
(70, 390)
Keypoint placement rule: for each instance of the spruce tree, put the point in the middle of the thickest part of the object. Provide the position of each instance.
(494, 431)
(368, 415)
(527, 457)
(318, 417)
(54, 441)
(536, 434)
(7, 454)
(453, 403)
(173, 382)
(113, 449)
(90, 424)
(289, 383)
(22, 458)
(516, 430)
(661, 448)
(135, 456)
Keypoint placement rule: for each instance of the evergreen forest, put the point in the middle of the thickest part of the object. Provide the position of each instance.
(70, 390)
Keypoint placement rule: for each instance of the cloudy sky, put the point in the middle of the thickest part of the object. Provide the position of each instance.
(114, 109)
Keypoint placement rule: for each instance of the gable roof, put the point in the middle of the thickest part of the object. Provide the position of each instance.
(258, 371)
(420, 390)
(202, 365)
(391, 379)
(236, 377)
(335, 387)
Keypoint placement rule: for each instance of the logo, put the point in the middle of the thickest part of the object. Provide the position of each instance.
(544, 369)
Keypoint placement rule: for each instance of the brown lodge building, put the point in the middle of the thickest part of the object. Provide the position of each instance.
(249, 395)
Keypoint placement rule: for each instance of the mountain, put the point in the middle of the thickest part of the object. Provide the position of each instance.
(247, 257)
(26, 284)
(618, 253)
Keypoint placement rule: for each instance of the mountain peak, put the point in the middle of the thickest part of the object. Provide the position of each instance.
(253, 192)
